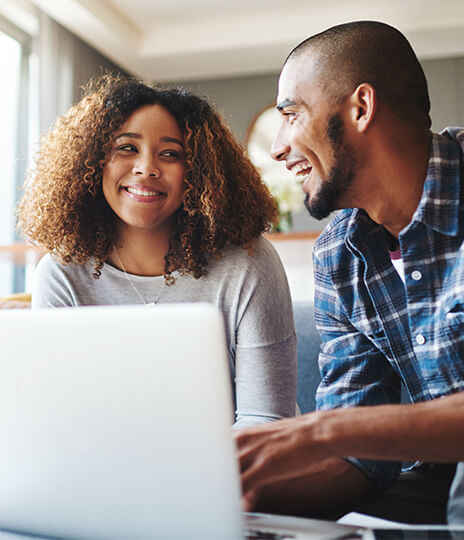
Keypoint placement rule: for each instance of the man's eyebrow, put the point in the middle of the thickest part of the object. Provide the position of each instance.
(285, 103)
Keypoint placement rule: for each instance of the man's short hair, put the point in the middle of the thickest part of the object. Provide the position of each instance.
(371, 52)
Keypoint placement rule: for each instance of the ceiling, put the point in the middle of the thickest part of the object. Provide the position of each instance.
(177, 40)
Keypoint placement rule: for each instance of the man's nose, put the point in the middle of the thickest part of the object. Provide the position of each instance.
(280, 147)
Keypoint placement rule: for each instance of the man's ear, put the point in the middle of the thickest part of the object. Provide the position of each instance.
(363, 105)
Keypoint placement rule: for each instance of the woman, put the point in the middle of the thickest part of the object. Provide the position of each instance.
(143, 196)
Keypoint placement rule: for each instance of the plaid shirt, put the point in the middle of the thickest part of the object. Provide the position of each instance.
(378, 331)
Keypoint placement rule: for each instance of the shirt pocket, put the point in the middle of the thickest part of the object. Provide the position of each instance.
(452, 310)
(450, 327)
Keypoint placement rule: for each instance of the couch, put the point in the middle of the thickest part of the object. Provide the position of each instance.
(308, 345)
(20, 300)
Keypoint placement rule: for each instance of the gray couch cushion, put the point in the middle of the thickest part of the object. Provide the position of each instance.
(308, 343)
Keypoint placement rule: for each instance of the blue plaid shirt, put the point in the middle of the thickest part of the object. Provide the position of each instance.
(378, 331)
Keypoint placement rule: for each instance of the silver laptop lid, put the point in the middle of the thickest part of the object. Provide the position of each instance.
(115, 424)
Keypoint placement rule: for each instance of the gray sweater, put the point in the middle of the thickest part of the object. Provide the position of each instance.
(251, 291)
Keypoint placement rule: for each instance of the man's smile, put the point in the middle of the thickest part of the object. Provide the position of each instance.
(301, 170)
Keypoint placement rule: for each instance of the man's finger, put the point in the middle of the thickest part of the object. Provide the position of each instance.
(249, 500)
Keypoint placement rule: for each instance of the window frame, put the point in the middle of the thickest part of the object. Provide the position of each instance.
(22, 143)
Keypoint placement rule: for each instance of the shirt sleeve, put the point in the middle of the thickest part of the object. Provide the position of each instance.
(354, 372)
(265, 355)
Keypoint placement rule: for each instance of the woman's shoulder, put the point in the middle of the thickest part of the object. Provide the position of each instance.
(47, 264)
(49, 268)
(258, 257)
(256, 251)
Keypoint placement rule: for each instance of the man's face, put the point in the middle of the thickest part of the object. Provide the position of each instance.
(311, 139)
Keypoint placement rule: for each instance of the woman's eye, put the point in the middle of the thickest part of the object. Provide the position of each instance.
(127, 147)
(173, 154)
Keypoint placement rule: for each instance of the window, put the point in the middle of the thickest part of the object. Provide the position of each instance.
(16, 102)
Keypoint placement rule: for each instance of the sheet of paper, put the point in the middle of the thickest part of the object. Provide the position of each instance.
(363, 520)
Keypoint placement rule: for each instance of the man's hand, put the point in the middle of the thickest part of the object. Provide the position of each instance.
(274, 452)
(305, 452)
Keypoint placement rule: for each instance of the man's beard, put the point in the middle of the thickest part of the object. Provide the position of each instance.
(341, 175)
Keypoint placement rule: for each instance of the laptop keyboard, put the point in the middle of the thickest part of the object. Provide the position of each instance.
(255, 534)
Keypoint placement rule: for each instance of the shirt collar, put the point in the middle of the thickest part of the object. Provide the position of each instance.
(362, 231)
(439, 205)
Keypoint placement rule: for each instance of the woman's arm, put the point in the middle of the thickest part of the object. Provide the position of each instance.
(265, 354)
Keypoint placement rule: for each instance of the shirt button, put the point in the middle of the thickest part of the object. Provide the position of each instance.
(416, 275)
(420, 339)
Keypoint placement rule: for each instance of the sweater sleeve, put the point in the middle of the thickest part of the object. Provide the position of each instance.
(265, 355)
(51, 286)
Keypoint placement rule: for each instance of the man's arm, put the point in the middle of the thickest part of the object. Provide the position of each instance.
(304, 452)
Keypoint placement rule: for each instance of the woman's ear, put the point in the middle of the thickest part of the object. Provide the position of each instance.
(363, 105)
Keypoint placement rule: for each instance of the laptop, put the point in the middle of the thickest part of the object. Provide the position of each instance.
(115, 424)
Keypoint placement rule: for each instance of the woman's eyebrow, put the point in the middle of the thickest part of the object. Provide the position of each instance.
(128, 134)
(172, 139)
(138, 136)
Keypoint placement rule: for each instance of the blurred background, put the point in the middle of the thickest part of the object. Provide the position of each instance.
(231, 52)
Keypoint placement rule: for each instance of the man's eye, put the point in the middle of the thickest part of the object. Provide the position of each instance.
(288, 117)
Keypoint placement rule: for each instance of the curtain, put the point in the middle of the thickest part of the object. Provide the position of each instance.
(66, 63)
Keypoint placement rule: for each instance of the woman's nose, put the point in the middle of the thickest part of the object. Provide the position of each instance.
(146, 165)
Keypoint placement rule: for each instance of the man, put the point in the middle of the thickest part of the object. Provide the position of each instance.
(389, 282)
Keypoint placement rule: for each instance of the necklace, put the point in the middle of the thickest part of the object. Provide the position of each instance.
(132, 284)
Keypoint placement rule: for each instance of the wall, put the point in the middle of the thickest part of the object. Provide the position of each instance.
(446, 87)
(240, 99)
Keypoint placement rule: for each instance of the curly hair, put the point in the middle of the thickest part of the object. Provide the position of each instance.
(63, 208)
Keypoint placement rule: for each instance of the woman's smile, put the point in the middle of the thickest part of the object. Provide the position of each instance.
(143, 193)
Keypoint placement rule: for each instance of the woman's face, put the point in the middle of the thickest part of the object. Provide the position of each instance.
(143, 178)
